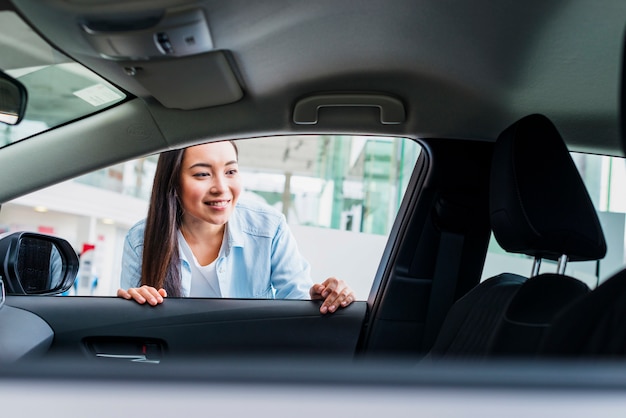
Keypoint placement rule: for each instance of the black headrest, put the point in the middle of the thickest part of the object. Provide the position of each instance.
(539, 205)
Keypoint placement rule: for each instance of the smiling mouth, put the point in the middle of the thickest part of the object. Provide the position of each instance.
(219, 204)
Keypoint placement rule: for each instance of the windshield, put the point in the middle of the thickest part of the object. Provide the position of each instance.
(59, 89)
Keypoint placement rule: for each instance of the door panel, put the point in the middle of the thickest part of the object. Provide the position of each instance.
(190, 326)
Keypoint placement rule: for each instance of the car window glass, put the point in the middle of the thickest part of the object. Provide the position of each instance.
(340, 195)
(605, 179)
(59, 89)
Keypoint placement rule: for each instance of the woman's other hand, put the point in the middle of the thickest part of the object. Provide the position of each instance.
(334, 292)
(143, 294)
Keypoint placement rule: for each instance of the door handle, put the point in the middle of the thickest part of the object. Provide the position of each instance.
(136, 358)
(129, 349)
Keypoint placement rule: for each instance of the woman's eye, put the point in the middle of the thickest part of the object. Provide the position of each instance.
(231, 172)
(201, 175)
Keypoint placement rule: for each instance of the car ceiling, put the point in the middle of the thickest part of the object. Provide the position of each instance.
(463, 69)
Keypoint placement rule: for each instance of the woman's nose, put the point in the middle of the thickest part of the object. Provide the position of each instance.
(218, 184)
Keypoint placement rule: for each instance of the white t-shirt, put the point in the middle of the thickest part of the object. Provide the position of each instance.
(204, 280)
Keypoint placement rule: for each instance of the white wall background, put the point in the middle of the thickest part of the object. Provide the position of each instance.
(350, 256)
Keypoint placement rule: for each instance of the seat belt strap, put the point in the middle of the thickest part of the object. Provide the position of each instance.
(443, 284)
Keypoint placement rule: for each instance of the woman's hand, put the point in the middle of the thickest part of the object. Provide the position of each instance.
(334, 292)
(143, 294)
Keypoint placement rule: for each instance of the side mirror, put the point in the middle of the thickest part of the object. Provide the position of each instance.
(13, 98)
(37, 264)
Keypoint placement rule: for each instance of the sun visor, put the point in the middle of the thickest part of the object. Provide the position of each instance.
(169, 53)
(188, 83)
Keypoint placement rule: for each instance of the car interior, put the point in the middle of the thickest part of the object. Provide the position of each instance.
(532, 211)
(497, 96)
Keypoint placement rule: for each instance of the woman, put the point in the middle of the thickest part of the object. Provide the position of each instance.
(199, 240)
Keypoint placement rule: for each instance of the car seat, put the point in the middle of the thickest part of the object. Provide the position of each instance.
(594, 326)
(539, 207)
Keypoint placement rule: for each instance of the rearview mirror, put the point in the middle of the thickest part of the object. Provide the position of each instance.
(37, 264)
(13, 98)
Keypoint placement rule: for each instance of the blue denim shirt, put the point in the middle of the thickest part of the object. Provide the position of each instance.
(261, 257)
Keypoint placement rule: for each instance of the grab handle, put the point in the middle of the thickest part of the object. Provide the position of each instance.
(307, 109)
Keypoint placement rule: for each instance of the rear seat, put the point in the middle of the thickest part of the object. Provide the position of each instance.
(540, 207)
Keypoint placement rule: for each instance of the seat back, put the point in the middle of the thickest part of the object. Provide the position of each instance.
(531, 311)
(539, 207)
(469, 327)
(594, 326)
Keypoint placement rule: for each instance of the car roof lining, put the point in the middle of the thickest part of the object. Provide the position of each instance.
(524, 58)
(500, 64)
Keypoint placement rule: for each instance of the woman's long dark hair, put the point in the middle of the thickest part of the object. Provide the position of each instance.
(160, 260)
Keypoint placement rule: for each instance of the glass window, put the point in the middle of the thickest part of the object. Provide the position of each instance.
(605, 179)
(339, 194)
(59, 89)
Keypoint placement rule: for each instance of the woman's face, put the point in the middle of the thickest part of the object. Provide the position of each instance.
(209, 183)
